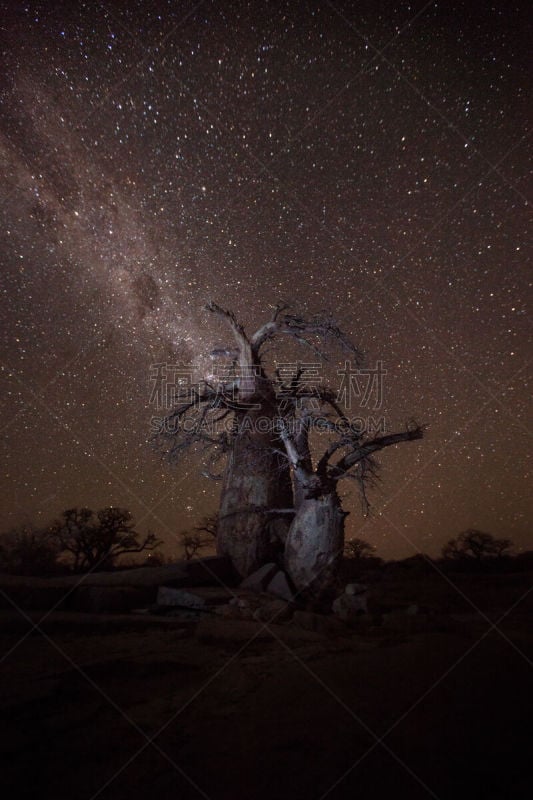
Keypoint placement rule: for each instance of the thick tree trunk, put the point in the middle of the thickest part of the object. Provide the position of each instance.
(315, 544)
(301, 474)
(257, 481)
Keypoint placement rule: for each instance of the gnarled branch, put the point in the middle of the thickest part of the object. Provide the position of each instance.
(246, 380)
(365, 449)
(302, 329)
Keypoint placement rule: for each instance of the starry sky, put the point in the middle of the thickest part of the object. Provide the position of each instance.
(366, 158)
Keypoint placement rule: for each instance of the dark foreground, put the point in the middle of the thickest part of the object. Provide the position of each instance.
(131, 707)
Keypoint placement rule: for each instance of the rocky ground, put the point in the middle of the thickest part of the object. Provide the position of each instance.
(402, 703)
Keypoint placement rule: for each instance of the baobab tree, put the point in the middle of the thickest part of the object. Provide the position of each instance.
(315, 541)
(278, 502)
(236, 419)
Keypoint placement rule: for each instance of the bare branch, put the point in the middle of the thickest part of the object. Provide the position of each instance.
(301, 329)
(361, 452)
(244, 356)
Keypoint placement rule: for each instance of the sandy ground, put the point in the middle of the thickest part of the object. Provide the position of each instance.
(128, 707)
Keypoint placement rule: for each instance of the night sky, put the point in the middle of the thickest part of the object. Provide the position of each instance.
(366, 158)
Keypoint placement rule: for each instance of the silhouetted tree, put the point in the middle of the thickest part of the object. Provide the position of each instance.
(477, 545)
(28, 551)
(208, 525)
(97, 540)
(358, 548)
(193, 542)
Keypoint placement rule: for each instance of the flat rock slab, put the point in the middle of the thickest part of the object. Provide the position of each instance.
(193, 598)
(88, 592)
(259, 580)
(109, 599)
(168, 596)
(214, 595)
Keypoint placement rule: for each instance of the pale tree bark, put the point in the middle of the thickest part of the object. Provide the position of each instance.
(315, 541)
(267, 466)
(314, 545)
(255, 499)
(256, 495)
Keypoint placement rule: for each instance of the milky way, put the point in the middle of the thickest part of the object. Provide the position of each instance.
(373, 163)
(90, 227)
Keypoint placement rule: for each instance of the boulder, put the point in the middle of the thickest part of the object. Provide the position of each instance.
(168, 596)
(259, 580)
(279, 586)
(348, 607)
(246, 606)
(195, 597)
(355, 589)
